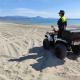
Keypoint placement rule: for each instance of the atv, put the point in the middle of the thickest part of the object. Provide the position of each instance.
(69, 41)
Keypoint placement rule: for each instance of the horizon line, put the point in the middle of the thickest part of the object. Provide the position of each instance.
(35, 16)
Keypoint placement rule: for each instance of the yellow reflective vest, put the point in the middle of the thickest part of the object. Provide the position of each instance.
(62, 23)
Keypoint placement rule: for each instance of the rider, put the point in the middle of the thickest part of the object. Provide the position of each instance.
(62, 23)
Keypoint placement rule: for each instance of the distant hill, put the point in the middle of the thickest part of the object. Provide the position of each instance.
(24, 18)
(36, 20)
(28, 20)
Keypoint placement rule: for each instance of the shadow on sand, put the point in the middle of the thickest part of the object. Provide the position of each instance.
(73, 56)
(44, 58)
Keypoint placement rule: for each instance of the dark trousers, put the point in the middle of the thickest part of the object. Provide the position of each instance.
(60, 32)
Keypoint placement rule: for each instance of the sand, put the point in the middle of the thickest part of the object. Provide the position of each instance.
(22, 56)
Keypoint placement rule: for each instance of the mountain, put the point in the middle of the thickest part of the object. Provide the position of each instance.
(37, 20)
(24, 18)
(27, 20)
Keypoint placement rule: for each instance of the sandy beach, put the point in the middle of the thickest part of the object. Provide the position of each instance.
(22, 56)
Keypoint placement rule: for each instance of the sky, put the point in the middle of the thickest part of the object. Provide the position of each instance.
(43, 8)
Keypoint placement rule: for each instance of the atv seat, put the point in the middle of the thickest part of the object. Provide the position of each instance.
(75, 36)
(71, 35)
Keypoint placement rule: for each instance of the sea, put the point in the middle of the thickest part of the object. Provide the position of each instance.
(70, 22)
(39, 21)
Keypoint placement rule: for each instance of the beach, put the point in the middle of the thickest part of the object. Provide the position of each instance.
(22, 56)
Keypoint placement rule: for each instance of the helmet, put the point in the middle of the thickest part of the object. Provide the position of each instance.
(61, 12)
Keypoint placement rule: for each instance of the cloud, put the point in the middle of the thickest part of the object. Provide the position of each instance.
(25, 12)
(7, 12)
(31, 12)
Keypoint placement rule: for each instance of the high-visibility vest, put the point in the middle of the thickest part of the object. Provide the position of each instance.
(63, 19)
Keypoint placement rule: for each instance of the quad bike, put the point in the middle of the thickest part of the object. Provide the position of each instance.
(70, 41)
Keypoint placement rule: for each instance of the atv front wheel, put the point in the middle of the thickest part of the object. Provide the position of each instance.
(46, 44)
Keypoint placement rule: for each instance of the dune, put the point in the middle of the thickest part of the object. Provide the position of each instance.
(22, 56)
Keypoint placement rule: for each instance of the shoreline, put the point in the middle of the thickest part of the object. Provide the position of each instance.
(48, 25)
(73, 27)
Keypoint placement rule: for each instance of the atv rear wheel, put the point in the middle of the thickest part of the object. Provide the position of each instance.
(60, 51)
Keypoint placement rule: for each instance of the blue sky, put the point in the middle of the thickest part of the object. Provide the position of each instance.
(44, 8)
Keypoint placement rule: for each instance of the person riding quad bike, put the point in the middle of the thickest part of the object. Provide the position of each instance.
(62, 41)
(62, 23)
